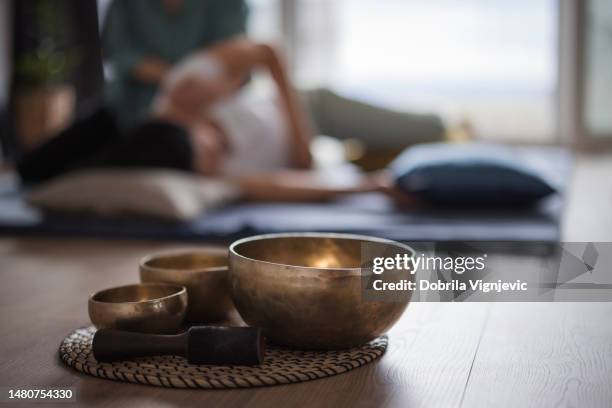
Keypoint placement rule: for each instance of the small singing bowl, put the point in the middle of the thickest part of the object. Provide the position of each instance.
(202, 272)
(305, 290)
(145, 308)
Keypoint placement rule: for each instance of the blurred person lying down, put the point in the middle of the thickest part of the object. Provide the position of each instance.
(232, 134)
(201, 122)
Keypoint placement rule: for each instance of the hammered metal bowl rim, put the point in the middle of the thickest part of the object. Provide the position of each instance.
(220, 251)
(349, 271)
(180, 291)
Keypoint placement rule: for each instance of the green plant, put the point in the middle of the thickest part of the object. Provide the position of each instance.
(51, 59)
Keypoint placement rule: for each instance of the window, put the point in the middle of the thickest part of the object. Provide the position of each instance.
(492, 63)
(598, 60)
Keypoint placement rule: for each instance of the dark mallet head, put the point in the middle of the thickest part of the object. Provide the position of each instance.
(225, 345)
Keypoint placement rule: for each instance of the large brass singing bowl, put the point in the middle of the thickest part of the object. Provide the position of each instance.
(202, 272)
(145, 308)
(304, 290)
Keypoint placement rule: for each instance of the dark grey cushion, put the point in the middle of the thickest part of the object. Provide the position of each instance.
(469, 174)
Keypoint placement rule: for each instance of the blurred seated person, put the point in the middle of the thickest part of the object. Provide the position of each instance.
(144, 39)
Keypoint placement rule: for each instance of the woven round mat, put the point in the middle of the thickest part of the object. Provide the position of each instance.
(281, 366)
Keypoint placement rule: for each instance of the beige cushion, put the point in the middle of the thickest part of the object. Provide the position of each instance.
(148, 192)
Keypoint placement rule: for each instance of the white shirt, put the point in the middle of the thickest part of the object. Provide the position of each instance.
(256, 128)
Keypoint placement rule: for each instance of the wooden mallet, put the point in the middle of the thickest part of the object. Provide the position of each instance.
(200, 345)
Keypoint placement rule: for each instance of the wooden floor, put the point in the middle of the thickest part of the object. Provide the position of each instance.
(445, 354)
(440, 355)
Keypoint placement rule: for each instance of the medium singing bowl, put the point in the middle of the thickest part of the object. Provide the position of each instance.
(305, 290)
(203, 272)
(145, 308)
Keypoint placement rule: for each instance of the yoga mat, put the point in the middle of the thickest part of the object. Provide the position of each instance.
(371, 214)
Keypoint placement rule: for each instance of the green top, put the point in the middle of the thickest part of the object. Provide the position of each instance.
(136, 29)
